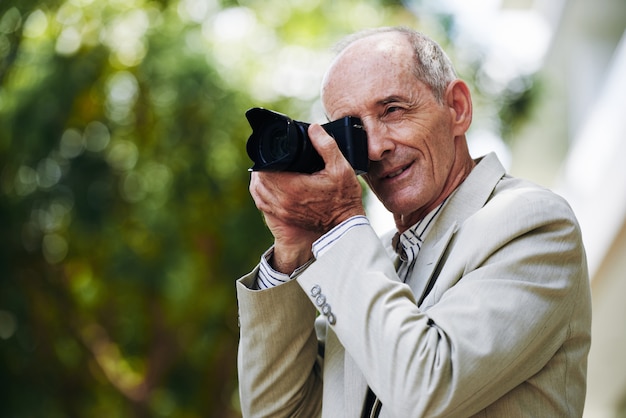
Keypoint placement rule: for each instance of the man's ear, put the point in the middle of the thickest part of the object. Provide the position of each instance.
(459, 100)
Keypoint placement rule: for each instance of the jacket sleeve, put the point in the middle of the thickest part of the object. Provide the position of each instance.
(512, 286)
(278, 365)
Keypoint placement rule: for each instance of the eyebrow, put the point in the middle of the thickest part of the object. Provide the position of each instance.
(392, 99)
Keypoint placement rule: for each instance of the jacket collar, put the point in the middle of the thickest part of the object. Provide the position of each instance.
(471, 195)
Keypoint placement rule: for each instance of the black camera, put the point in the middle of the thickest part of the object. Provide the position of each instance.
(279, 143)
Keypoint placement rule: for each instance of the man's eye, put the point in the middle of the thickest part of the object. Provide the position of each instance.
(392, 109)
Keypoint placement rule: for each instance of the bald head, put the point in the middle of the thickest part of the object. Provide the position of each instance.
(427, 61)
(367, 61)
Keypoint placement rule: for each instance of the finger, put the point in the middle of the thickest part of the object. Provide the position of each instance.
(255, 191)
(261, 194)
(326, 146)
(267, 193)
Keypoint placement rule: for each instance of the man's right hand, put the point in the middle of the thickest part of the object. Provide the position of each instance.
(300, 208)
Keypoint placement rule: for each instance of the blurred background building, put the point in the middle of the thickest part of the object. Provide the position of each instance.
(575, 141)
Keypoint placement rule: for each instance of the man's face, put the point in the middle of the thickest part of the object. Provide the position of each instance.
(411, 138)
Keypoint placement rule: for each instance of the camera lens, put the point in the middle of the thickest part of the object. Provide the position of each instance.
(274, 146)
(279, 143)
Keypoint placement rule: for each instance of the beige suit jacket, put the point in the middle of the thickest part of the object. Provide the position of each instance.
(503, 332)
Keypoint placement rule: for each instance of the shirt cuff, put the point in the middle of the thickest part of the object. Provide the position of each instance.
(267, 277)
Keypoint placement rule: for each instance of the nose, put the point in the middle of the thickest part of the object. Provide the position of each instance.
(378, 142)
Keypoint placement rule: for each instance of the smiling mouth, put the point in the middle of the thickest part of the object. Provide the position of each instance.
(398, 172)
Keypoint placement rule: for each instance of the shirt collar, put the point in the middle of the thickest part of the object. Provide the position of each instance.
(408, 244)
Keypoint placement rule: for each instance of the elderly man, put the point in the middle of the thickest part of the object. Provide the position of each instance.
(478, 304)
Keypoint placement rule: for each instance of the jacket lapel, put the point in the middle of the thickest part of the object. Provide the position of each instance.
(426, 262)
(471, 195)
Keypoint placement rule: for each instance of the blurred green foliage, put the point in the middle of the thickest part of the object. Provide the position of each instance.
(124, 210)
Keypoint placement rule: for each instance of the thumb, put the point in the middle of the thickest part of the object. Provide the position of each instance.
(324, 144)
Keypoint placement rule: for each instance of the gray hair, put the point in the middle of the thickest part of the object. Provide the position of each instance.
(432, 65)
